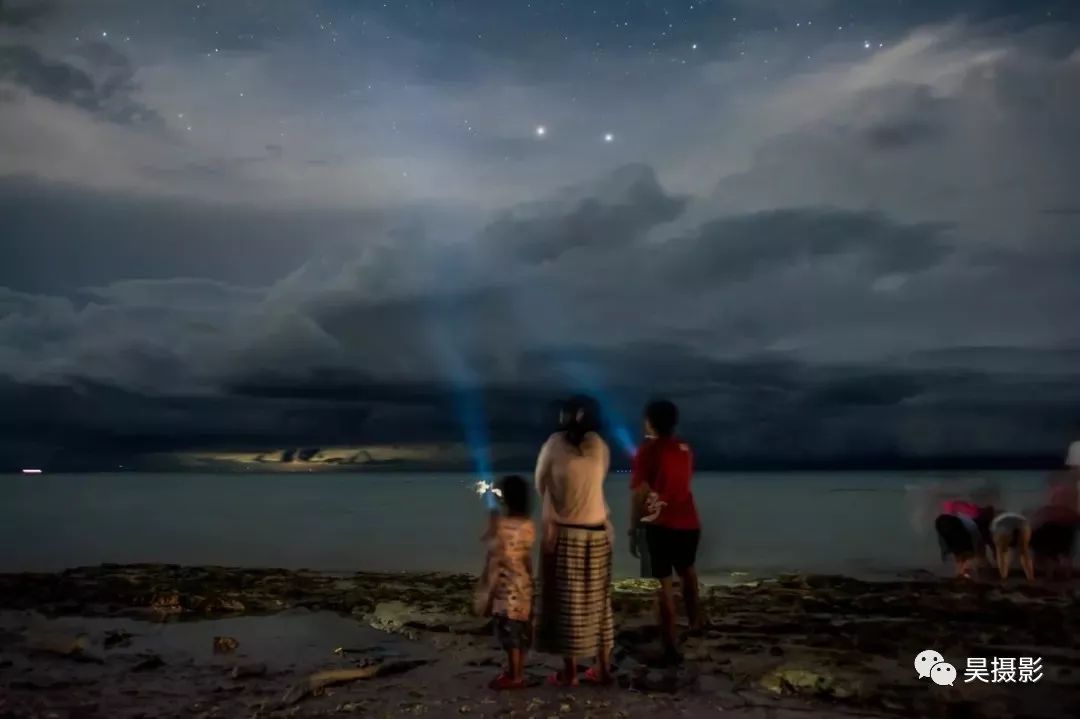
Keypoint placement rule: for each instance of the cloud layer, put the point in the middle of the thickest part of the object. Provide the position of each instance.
(876, 256)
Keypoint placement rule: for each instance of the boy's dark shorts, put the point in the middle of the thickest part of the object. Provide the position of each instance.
(512, 633)
(671, 549)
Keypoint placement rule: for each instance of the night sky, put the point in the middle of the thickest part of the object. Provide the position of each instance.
(832, 230)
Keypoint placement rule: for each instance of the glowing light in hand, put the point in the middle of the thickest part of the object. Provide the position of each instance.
(483, 487)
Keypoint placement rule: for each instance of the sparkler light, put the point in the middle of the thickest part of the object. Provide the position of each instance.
(490, 494)
(483, 487)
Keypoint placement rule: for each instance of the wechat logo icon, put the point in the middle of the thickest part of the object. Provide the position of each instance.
(930, 663)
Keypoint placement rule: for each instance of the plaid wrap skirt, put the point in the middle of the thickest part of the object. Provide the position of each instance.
(575, 602)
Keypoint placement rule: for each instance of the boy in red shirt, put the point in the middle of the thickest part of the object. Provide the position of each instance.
(662, 503)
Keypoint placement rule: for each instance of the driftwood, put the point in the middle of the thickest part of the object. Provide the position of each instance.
(320, 680)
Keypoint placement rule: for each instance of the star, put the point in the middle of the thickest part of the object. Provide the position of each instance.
(104, 34)
(866, 44)
(608, 137)
(541, 130)
(694, 46)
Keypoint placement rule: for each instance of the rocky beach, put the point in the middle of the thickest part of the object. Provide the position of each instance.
(176, 641)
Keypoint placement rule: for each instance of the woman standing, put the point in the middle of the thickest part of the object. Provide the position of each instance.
(576, 615)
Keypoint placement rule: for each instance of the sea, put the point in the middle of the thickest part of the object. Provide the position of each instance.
(862, 524)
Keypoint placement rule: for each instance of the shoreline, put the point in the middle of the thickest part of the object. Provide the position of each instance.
(827, 645)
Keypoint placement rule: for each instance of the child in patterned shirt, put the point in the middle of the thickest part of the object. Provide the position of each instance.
(509, 578)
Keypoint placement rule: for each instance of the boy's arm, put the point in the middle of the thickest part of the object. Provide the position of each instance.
(637, 499)
(639, 489)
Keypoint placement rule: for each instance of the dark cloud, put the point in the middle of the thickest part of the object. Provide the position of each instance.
(27, 13)
(736, 248)
(618, 211)
(65, 238)
(106, 87)
(898, 135)
(839, 295)
(898, 116)
(742, 413)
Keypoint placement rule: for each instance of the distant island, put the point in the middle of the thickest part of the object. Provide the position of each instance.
(504, 457)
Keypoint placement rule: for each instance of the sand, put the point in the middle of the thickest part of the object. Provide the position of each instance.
(139, 641)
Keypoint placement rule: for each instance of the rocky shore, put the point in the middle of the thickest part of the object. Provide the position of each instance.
(173, 641)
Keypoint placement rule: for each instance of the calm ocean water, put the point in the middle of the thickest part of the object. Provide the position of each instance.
(863, 524)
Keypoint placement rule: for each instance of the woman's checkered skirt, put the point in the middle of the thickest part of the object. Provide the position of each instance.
(575, 605)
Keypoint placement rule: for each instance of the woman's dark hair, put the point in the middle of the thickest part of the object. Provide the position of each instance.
(663, 415)
(582, 416)
(515, 495)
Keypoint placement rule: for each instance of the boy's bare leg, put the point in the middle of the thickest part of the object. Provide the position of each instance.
(667, 615)
(692, 597)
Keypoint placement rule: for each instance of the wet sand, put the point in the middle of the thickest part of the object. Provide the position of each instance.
(139, 641)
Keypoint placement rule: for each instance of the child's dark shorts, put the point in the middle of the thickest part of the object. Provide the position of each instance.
(512, 633)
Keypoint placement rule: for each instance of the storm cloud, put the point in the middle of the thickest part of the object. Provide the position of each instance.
(234, 243)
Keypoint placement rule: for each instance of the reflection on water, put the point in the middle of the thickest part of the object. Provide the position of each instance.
(852, 523)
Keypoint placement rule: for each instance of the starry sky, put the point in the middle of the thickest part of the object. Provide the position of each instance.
(832, 230)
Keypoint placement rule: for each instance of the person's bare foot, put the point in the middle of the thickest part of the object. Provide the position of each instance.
(559, 679)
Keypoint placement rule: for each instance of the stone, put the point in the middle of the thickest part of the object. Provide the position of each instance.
(809, 682)
(247, 671)
(117, 638)
(65, 645)
(225, 645)
(167, 603)
(148, 662)
(399, 617)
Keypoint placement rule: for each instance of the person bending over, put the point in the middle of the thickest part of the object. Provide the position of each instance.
(662, 502)
(962, 531)
(1010, 530)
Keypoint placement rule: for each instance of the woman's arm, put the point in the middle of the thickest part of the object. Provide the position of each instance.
(543, 486)
(543, 468)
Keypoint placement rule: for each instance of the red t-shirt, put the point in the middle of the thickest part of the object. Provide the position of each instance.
(666, 464)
